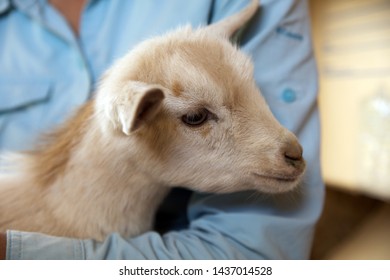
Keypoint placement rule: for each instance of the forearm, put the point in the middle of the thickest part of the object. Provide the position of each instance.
(3, 246)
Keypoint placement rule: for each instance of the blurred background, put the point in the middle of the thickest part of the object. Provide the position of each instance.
(352, 46)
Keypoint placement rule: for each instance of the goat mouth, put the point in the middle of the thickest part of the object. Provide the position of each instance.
(278, 178)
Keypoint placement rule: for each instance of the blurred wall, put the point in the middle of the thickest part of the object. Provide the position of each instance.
(352, 45)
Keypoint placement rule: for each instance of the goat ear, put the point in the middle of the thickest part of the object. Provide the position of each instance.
(146, 107)
(229, 26)
(136, 107)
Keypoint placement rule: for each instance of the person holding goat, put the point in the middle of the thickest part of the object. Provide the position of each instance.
(206, 225)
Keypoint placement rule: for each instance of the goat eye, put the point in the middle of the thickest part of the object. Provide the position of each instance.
(195, 119)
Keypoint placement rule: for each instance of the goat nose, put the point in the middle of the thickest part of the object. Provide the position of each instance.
(292, 151)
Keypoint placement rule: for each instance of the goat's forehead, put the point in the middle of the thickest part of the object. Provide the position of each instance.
(193, 63)
(206, 66)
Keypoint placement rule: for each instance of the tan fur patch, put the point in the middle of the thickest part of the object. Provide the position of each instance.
(52, 157)
(205, 130)
(177, 89)
(159, 136)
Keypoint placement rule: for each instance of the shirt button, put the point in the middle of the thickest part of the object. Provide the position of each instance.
(289, 95)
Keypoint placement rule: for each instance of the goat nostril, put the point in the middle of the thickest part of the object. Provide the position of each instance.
(293, 152)
(290, 158)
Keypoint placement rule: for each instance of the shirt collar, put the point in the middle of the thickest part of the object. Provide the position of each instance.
(5, 6)
(31, 7)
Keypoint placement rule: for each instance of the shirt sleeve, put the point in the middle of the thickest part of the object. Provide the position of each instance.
(245, 225)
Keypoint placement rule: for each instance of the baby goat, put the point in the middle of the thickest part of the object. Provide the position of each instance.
(182, 109)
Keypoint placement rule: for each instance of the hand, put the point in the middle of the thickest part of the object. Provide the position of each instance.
(3, 245)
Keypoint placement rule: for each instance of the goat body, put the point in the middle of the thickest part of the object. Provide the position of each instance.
(163, 113)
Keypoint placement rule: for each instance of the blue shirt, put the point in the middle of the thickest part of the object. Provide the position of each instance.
(46, 72)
